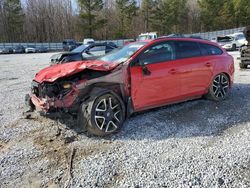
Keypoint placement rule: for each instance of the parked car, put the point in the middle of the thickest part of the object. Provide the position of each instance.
(231, 42)
(6, 50)
(19, 49)
(139, 76)
(83, 52)
(30, 49)
(245, 50)
(41, 49)
(147, 36)
(88, 41)
(69, 44)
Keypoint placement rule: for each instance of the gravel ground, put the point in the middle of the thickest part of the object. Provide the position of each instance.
(198, 143)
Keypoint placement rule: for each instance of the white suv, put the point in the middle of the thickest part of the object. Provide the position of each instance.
(147, 36)
(232, 42)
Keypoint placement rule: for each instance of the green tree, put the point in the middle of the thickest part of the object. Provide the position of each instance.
(88, 15)
(242, 12)
(147, 11)
(169, 16)
(211, 14)
(126, 11)
(227, 15)
(13, 20)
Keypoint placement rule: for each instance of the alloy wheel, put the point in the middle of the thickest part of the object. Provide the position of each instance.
(220, 86)
(108, 114)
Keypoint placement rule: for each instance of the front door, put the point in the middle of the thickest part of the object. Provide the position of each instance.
(154, 77)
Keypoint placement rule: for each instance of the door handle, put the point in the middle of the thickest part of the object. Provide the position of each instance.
(208, 64)
(173, 71)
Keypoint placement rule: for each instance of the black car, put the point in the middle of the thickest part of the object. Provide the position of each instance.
(83, 52)
(19, 49)
(41, 49)
(6, 50)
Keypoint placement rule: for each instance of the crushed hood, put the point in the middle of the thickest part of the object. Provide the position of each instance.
(52, 73)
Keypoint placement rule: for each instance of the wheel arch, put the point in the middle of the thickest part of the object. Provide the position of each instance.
(229, 78)
(115, 89)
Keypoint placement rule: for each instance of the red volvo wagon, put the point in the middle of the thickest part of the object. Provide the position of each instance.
(139, 76)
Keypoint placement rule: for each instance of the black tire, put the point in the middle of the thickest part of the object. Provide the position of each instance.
(234, 47)
(219, 88)
(102, 115)
(242, 66)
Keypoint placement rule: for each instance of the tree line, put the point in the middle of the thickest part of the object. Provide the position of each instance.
(55, 20)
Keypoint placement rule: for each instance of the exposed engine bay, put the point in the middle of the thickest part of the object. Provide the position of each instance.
(68, 92)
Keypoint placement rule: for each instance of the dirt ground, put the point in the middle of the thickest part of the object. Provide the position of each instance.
(198, 143)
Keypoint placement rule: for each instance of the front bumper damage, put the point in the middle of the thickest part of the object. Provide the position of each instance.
(48, 104)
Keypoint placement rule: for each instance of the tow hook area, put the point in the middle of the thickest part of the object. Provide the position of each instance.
(45, 104)
(30, 107)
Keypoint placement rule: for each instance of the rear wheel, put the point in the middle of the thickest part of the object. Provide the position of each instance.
(102, 116)
(234, 47)
(219, 88)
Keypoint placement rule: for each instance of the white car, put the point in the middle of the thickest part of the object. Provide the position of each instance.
(147, 36)
(30, 49)
(232, 42)
(88, 41)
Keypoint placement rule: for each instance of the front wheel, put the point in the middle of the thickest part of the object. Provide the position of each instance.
(234, 47)
(103, 115)
(219, 88)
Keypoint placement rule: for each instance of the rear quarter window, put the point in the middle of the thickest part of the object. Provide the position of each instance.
(208, 49)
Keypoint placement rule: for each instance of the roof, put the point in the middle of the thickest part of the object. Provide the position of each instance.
(186, 39)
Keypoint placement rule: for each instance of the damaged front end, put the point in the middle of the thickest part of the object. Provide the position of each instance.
(68, 85)
(51, 97)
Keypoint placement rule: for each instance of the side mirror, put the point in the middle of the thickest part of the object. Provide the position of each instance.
(145, 69)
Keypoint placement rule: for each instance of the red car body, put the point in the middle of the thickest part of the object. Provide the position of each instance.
(139, 86)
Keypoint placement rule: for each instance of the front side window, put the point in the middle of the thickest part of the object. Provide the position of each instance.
(158, 53)
(240, 37)
(187, 49)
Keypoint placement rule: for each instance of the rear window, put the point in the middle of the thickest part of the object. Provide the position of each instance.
(187, 49)
(207, 49)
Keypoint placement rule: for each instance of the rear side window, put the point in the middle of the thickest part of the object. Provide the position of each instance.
(207, 49)
(161, 52)
(187, 49)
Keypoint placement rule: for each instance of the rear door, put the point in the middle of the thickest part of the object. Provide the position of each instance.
(195, 69)
(154, 77)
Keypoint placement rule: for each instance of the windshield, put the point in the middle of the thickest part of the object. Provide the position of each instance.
(123, 54)
(80, 49)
